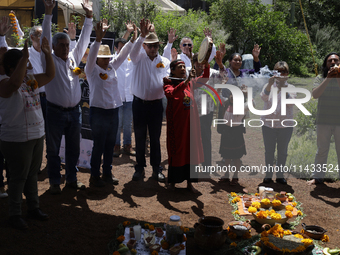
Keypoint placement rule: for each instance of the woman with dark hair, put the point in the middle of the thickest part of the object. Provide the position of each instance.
(22, 130)
(327, 91)
(183, 127)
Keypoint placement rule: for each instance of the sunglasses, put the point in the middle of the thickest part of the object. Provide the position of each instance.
(150, 46)
(187, 44)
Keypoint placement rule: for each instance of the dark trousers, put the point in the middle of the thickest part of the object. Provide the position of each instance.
(205, 121)
(147, 115)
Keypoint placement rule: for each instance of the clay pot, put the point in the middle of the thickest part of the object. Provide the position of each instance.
(209, 233)
(313, 231)
(239, 232)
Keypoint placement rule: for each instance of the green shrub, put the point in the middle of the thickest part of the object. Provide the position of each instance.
(307, 123)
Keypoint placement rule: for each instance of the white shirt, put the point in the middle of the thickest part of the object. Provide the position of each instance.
(124, 75)
(147, 78)
(64, 90)
(104, 93)
(185, 58)
(35, 59)
(22, 118)
(268, 101)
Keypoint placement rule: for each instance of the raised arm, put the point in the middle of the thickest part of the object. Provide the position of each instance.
(4, 28)
(100, 28)
(49, 74)
(145, 27)
(72, 32)
(171, 38)
(9, 86)
(84, 38)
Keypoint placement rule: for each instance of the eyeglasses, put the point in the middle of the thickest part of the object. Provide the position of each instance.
(150, 46)
(282, 71)
(187, 44)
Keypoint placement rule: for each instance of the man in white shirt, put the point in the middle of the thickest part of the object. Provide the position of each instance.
(186, 45)
(63, 96)
(147, 88)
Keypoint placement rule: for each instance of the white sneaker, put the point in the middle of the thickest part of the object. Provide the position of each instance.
(3, 193)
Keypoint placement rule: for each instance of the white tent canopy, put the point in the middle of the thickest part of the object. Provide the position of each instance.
(71, 6)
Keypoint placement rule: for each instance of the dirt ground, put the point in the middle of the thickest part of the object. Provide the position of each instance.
(84, 222)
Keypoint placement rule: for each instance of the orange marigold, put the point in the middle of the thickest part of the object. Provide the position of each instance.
(11, 15)
(247, 235)
(294, 204)
(160, 65)
(289, 208)
(152, 227)
(126, 223)
(233, 244)
(325, 238)
(299, 213)
(116, 253)
(252, 209)
(165, 245)
(103, 76)
(121, 238)
(154, 252)
(77, 71)
(186, 230)
(146, 225)
(289, 214)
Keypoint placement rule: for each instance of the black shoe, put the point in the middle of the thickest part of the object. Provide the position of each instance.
(109, 178)
(158, 176)
(267, 180)
(138, 175)
(17, 222)
(281, 180)
(96, 181)
(75, 185)
(37, 214)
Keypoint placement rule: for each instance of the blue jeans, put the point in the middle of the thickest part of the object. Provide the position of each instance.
(125, 122)
(147, 116)
(58, 122)
(104, 126)
(273, 137)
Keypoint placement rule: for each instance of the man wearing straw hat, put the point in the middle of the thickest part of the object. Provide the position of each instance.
(105, 101)
(147, 108)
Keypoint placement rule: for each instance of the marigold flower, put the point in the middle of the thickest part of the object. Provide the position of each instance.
(289, 208)
(121, 238)
(299, 213)
(262, 215)
(287, 232)
(233, 244)
(256, 194)
(32, 83)
(126, 223)
(116, 253)
(152, 227)
(11, 15)
(289, 214)
(77, 71)
(146, 225)
(186, 230)
(165, 245)
(154, 252)
(299, 236)
(294, 204)
(235, 200)
(252, 209)
(257, 205)
(160, 65)
(276, 216)
(103, 76)
(237, 212)
(307, 241)
(233, 194)
(246, 235)
(181, 228)
(265, 201)
(325, 238)
(276, 202)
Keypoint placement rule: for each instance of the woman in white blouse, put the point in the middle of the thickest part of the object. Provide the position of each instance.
(277, 133)
(105, 99)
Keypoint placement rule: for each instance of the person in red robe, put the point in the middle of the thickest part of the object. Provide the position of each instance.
(184, 143)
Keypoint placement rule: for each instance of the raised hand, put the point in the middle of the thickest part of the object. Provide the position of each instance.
(192, 74)
(151, 27)
(87, 8)
(45, 46)
(222, 49)
(174, 54)
(256, 52)
(100, 29)
(172, 35)
(207, 32)
(49, 6)
(219, 58)
(71, 31)
(135, 33)
(24, 51)
(5, 26)
(144, 27)
(130, 26)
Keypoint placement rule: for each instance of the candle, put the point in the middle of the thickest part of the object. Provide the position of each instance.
(137, 231)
